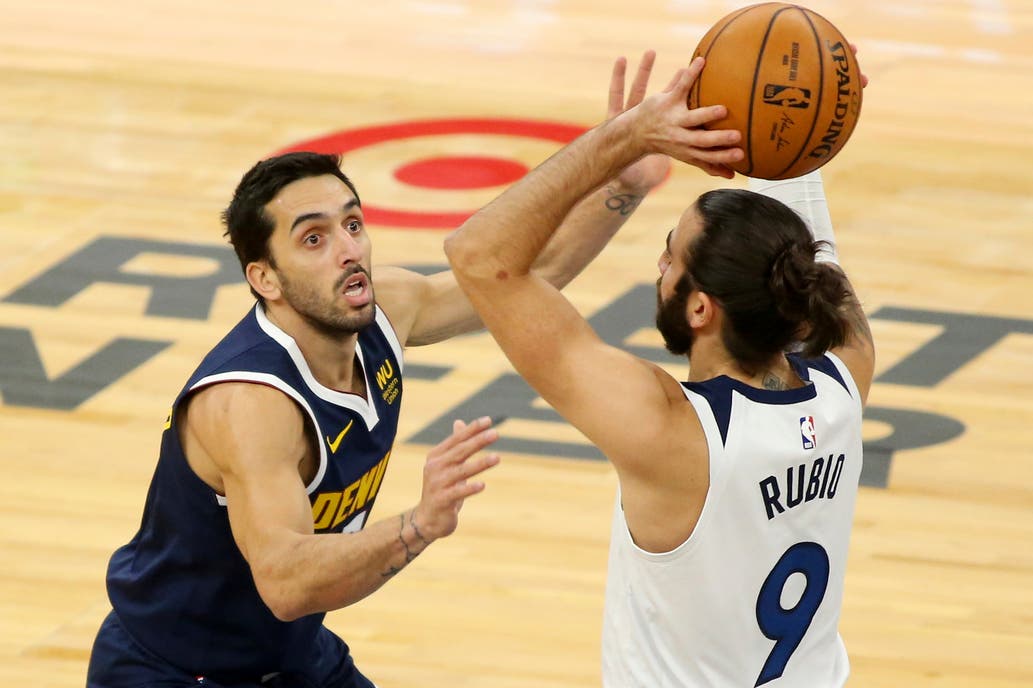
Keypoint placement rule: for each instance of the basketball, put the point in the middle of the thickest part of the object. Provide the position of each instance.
(791, 85)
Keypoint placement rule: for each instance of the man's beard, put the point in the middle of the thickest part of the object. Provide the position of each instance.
(324, 315)
(672, 320)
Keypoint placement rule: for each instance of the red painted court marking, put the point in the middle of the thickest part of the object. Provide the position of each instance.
(353, 139)
(460, 172)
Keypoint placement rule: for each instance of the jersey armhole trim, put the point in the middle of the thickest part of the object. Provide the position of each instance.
(270, 381)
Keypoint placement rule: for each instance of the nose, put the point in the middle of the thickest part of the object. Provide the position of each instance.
(349, 250)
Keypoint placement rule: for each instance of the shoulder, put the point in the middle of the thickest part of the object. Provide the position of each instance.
(399, 293)
(659, 424)
(831, 365)
(226, 428)
(222, 413)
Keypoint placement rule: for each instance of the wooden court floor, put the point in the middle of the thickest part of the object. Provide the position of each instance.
(125, 126)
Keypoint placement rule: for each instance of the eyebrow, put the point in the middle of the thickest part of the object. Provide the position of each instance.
(353, 203)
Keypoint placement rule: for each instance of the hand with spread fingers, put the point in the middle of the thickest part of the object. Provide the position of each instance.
(447, 477)
(649, 171)
(663, 123)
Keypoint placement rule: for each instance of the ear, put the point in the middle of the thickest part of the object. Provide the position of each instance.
(701, 309)
(263, 279)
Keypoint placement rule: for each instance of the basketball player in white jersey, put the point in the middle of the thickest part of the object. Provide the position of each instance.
(736, 487)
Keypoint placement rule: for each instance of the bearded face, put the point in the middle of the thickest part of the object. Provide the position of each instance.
(325, 309)
(672, 317)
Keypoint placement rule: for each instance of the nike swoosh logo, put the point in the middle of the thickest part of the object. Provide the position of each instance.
(334, 444)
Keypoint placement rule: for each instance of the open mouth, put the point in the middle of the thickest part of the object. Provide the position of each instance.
(355, 285)
(356, 289)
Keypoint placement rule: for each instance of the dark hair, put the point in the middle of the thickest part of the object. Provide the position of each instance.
(247, 224)
(757, 258)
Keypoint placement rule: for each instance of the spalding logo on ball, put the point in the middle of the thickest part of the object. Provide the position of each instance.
(791, 85)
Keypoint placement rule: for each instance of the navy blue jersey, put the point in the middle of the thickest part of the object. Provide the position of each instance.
(181, 587)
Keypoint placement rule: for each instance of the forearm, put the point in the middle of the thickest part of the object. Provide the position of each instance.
(508, 235)
(318, 573)
(586, 231)
(806, 196)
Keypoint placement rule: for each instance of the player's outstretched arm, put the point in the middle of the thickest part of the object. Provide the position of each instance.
(806, 196)
(247, 441)
(425, 309)
(616, 400)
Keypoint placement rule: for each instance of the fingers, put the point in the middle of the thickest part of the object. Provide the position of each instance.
(616, 102)
(448, 473)
(474, 437)
(711, 138)
(453, 456)
(688, 77)
(678, 76)
(463, 487)
(461, 432)
(641, 83)
(714, 156)
(717, 170)
(452, 478)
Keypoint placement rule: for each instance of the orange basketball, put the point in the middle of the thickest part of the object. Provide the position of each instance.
(791, 85)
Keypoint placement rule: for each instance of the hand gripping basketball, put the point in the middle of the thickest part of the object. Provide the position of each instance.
(790, 81)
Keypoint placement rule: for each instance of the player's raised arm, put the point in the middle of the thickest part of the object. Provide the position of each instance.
(549, 343)
(806, 196)
(427, 309)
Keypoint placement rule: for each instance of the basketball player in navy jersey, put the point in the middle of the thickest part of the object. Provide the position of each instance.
(257, 520)
(737, 487)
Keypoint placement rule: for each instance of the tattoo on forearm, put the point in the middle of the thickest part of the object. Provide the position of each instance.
(412, 522)
(623, 203)
(410, 552)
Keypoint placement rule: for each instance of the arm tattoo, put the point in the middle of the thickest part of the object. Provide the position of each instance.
(410, 554)
(622, 203)
(412, 522)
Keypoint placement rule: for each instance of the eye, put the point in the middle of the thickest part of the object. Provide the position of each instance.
(354, 226)
(312, 239)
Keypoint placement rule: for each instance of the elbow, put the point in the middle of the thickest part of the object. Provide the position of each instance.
(281, 606)
(469, 262)
(456, 250)
(278, 597)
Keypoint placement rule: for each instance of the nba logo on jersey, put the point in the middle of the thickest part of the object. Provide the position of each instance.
(807, 432)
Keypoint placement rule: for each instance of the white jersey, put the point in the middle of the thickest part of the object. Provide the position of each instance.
(753, 596)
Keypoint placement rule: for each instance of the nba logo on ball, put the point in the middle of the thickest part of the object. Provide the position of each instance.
(807, 432)
(790, 82)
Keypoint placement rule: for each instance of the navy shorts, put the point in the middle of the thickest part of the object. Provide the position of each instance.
(118, 661)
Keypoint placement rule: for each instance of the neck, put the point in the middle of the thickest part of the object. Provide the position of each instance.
(776, 374)
(331, 359)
